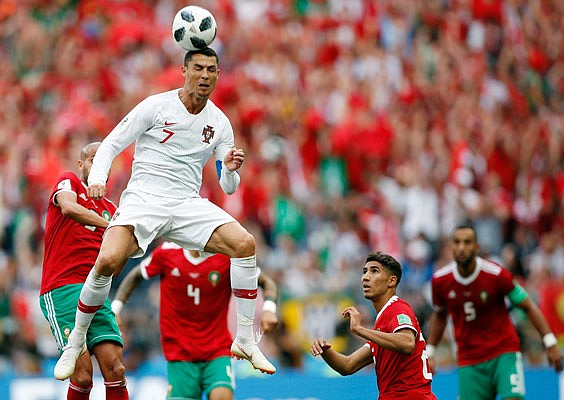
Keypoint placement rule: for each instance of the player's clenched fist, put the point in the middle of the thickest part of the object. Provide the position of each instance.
(96, 191)
(319, 346)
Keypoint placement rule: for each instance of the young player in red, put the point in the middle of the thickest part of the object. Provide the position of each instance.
(195, 290)
(395, 345)
(73, 235)
(472, 291)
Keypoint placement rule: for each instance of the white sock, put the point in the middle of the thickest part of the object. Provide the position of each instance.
(93, 294)
(244, 286)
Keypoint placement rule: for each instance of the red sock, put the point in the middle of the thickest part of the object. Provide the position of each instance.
(78, 393)
(116, 390)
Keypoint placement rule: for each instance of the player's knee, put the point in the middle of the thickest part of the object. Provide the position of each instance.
(82, 379)
(107, 263)
(245, 247)
(116, 371)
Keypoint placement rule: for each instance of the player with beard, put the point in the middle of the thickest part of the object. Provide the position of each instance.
(472, 290)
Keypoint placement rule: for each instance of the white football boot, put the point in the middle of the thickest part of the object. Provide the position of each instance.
(67, 361)
(251, 352)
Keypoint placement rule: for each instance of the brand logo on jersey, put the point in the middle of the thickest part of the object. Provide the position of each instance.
(484, 296)
(66, 184)
(116, 215)
(214, 277)
(170, 123)
(404, 319)
(83, 197)
(175, 272)
(452, 294)
(194, 275)
(106, 215)
(208, 134)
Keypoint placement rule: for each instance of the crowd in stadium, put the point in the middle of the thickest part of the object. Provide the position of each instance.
(366, 124)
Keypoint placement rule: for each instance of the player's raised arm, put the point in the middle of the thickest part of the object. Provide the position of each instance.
(137, 121)
(229, 179)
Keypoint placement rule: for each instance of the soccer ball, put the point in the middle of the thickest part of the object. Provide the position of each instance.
(194, 28)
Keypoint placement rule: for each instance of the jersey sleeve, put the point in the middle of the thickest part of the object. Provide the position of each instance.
(66, 183)
(153, 265)
(226, 143)
(403, 318)
(439, 302)
(137, 121)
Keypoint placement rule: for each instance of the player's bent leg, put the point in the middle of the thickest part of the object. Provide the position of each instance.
(80, 383)
(235, 241)
(119, 242)
(110, 359)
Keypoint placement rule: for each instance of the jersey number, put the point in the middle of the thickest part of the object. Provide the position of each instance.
(170, 133)
(195, 293)
(470, 311)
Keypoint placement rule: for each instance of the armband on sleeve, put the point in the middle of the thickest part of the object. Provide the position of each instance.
(229, 180)
(517, 295)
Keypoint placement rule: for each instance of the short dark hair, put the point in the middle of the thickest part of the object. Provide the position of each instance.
(467, 225)
(390, 263)
(206, 51)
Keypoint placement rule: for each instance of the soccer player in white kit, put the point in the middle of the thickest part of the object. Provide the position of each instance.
(175, 133)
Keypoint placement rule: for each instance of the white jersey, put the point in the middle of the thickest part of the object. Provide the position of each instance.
(171, 146)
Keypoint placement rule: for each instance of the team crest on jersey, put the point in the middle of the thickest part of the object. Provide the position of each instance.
(66, 331)
(208, 133)
(106, 215)
(484, 296)
(214, 277)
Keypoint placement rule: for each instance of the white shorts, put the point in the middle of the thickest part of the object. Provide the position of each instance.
(187, 222)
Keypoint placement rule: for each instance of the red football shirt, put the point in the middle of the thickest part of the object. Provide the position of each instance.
(482, 325)
(401, 376)
(71, 248)
(195, 294)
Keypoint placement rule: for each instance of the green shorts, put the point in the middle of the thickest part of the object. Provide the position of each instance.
(189, 380)
(502, 375)
(59, 309)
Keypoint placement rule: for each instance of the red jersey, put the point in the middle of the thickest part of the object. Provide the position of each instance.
(401, 376)
(482, 326)
(194, 297)
(70, 247)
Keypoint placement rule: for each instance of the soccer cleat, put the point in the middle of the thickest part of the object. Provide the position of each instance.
(67, 361)
(252, 353)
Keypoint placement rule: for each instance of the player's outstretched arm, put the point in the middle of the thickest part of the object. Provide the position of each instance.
(540, 323)
(127, 286)
(71, 209)
(343, 364)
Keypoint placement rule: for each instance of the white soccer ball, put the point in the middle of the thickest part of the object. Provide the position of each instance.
(194, 28)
